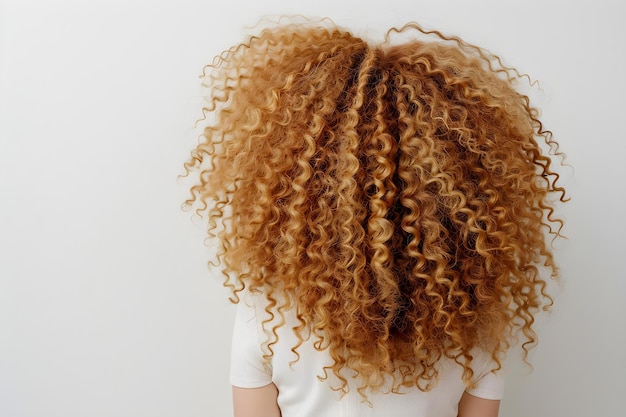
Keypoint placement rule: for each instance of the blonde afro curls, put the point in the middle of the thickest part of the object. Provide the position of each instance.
(395, 195)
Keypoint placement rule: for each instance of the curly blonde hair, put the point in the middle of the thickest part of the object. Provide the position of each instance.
(395, 195)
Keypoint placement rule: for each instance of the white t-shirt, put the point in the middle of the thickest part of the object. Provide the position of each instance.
(302, 394)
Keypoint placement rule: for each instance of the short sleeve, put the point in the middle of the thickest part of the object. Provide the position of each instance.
(489, 384)
(489, 387)
(247, 367)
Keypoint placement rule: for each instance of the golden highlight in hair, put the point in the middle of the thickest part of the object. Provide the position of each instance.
(395, 196)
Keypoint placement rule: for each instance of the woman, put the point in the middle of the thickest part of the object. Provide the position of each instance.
(381, 211)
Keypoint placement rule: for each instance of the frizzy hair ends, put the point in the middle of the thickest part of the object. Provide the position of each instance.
(395, 195)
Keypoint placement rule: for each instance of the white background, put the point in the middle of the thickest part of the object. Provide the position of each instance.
(106, 304)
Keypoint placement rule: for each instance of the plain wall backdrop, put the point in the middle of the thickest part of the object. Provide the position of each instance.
(107, 307)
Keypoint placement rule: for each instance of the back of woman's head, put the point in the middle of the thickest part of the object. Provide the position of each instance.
(395, 196)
